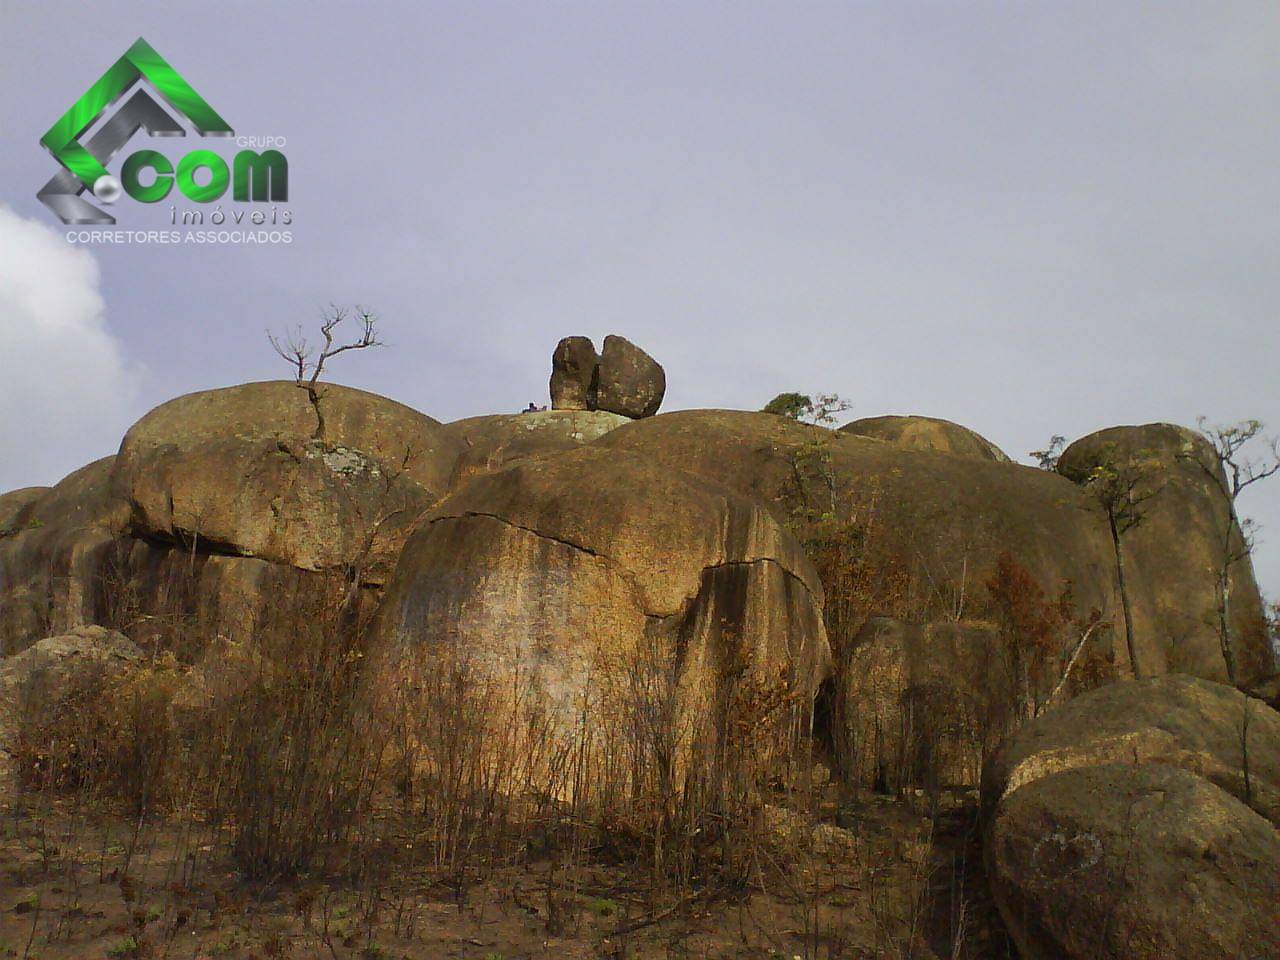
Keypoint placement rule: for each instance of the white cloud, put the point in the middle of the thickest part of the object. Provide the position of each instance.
(67, 393)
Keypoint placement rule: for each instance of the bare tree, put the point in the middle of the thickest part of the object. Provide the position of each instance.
(1121, 485)
(308, 365)
(1232, 470)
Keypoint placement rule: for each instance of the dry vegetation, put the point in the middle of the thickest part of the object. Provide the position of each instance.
(268, 798)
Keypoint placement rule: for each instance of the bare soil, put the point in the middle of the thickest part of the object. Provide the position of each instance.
(879, 881)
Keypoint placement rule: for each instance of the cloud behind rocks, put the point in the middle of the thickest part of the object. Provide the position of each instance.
(66, 386)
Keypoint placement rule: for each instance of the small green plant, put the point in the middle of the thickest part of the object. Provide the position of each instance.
(602, 907)
(128, 947)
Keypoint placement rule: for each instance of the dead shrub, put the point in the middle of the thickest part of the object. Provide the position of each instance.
(287, 756)
(108, 736)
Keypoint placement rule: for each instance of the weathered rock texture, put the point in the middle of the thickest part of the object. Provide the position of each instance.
(1176, 553)
(73, 562)
(941, 522)
(1139, 822)
(495, 442)
(53, 562)
(631, 382)
(927, 433)
(16, 503)
(175, 533)
(574, 374)
(587, 573)
(237, 469)
(623, 379)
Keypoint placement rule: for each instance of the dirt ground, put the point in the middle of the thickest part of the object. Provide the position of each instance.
(878, 880)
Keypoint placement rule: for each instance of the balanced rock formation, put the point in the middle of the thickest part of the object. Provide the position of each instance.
(495, 442)
(927, 433)
(631, 382)
(1177, 551)
(623, 379)
(593, 576)
(1139, 822)
(575, 369)
(240, 469)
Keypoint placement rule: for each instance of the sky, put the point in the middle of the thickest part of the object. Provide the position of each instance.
(1030, 218)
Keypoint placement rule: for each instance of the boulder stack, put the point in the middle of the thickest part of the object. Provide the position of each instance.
(1138, 822)
(623, 379)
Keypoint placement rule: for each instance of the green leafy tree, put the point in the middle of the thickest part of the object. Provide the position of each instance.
(1047, 459)
(820, 410)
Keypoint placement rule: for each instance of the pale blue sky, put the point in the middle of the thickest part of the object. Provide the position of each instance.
(1031, 218)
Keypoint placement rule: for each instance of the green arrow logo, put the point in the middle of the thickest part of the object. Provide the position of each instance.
(139, 61)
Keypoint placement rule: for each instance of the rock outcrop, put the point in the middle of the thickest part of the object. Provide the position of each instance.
(927, 433)
(941, 522)
(54, 560)
(623, 379)
(588, 572)
(1138, 822)
(495, 442)
(1176, 552)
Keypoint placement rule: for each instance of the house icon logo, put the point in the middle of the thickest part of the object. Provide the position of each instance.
(85, 164)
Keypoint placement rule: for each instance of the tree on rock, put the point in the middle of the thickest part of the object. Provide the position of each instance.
(308, 365)
(1232, 470)
(1122, 486)
(820, 410)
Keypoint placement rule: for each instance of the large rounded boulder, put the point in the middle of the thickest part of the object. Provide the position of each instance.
(629, 382)
(923, 530)
(243, 470)
(932, 528)
(70, 560)
(1176, 552)
(927, 433)
(1139, 822)
(593, 576)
